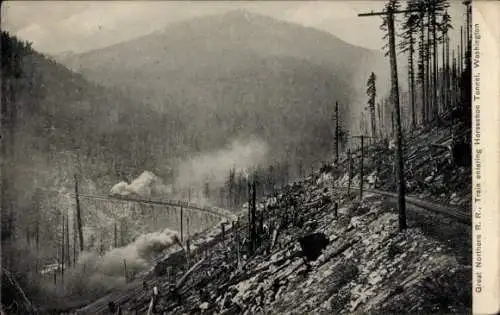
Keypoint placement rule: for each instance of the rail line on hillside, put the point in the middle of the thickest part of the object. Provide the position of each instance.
(219, 212)
(454, 213)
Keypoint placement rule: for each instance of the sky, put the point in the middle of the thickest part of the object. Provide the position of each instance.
(62, 26)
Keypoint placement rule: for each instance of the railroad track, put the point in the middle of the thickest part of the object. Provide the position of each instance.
(135, 286)
(220, 212)
(451, 212)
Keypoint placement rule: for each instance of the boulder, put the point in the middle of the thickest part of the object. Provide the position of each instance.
(313, 244)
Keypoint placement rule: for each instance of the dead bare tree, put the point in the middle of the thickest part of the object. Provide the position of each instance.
(78, 215)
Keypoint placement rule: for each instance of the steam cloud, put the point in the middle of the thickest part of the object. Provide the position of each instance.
(94, 273)
(214, 167)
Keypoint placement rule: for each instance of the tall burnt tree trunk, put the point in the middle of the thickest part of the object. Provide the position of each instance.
(75, 228)
(435, 68)
(428, 73)
(392, 124)
(422, 69)
(249, 195)
(336, 133)
(361, 172)
(67, 244)
(350, 172)
(252, 216)
(448, 72)
(62, 249)
(78, 215)
(443, 73)
(379, 121)
(182, 225)
(460, 63)
(372, 92)
(412, 84)
(452, 79)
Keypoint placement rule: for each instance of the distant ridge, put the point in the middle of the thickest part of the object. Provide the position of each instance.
(216, 71)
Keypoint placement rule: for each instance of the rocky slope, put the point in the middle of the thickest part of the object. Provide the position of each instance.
(367, 267)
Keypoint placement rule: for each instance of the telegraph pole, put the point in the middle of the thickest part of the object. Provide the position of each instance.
(362, 137)
(389, 13)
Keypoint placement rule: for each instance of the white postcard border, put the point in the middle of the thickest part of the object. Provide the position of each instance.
(486, 157)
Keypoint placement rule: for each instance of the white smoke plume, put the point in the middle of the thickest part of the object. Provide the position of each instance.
(214, 167)
(146, 185)
(100, 273)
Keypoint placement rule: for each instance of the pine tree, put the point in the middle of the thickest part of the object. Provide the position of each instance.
(445, 26)
(434, 9)
(407, 44)
(230, 187)
(371, 91)
(12, 54)
(395, 4)
(206, 189)
(422, 57)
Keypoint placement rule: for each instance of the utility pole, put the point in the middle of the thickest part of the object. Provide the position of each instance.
(362, 137)
(395, 97)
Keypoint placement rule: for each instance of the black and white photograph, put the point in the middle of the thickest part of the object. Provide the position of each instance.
(241, 157)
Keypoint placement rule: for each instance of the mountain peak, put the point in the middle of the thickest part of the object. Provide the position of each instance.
(239, 13)
(243, 15)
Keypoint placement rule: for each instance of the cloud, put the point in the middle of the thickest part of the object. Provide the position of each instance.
(102, 16)
(34, 31)
(214, 166)
(17, 15)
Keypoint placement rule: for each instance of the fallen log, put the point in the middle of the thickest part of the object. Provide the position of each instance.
(183, 279)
